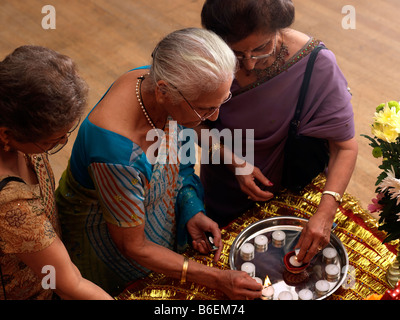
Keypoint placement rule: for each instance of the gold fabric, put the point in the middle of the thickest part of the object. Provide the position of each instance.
(358, 231)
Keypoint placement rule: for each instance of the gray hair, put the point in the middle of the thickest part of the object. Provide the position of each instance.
(193, 61)
(40, 92)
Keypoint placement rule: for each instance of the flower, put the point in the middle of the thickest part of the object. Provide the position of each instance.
(15, 218)
(375, 206)
(392, 185)
(387, 123)
(385, 144)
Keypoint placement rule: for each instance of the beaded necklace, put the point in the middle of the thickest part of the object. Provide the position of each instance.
(139, 98)
(275, 66)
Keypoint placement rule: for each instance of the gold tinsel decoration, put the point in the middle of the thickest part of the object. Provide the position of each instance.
(358, 231)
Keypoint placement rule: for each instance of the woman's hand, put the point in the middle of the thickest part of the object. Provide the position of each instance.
(246, 174)
(238, 285)
(248, 185)
(196, 227)
(315, 236)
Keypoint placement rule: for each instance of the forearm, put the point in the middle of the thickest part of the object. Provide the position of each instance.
(69, 283)
(316, 233)
(341, 166)
(133, 243)
(86, 290)
(170, 263)
(80, 289)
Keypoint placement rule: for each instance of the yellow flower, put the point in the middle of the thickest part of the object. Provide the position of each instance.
(387, 123)
(385, 132)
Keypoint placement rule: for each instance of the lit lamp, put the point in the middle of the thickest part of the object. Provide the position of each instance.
(268, 290)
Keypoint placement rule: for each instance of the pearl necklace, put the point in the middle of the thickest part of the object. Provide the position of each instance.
(139, 98)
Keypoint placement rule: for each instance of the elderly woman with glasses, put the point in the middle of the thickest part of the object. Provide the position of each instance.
(128, 208)
(273, 59)
(41, 100)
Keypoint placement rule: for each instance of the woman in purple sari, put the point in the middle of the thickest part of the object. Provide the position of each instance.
(272, 60)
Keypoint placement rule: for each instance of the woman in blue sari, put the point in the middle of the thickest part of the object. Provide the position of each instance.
(126, 207)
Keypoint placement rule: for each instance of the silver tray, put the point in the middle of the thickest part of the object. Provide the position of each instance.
(270, 263)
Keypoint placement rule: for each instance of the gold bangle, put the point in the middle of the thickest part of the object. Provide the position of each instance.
(184, 269)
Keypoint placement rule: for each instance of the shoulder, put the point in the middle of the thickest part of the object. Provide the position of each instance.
(15, 190)
(326, 66)
(297, 41)
(122, 87)
(327, 56)
(119, 107)
(294, 40)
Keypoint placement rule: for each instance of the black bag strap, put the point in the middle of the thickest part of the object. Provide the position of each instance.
(294, 124)
(3, 183)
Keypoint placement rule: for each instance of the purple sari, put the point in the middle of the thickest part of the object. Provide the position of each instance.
(267, 107)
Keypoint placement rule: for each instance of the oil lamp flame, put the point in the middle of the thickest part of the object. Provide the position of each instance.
(268, 290)
(267, 282)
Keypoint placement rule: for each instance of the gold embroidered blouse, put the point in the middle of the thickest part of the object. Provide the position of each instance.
(28, 223)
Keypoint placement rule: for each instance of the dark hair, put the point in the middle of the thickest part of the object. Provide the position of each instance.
(40, 93)
(235, 20)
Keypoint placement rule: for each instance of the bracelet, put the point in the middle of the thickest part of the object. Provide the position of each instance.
(184, 269)
(336, 195)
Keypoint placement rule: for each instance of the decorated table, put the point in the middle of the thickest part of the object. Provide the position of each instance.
(369, 258)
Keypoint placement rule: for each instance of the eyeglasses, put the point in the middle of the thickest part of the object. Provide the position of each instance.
(61, 143)
(242, 57)
(212, 111)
